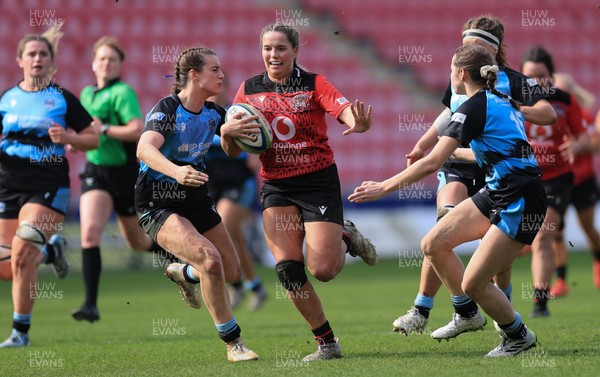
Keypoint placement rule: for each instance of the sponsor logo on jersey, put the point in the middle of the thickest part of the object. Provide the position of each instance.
(458, 117)
(531, 82)
(341, 100)
(157, 116)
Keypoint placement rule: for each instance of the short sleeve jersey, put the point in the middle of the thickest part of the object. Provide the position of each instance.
(115, 104)
(188, 137)
(296, 110)
(546, 140)
(28, 158)
(496, 134)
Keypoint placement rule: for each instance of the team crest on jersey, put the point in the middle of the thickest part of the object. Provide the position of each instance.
(212, 124)
(301, 102)
(49, 103)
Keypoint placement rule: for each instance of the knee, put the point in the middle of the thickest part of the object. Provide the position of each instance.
(291, 274)
(428, 245)
(233, 274)
(322, 273)
(90, 235)
(208, 259)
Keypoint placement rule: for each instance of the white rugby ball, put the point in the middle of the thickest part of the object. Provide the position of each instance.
(263, 140)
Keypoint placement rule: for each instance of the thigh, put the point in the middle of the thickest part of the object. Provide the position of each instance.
(284, 232)
(451, 193)
(45, 219)
(463, 224)
(323, 243)
(232, 213)
(95, 208)
(495, 254)
(8, 228)
(220, 238)
(135, 236)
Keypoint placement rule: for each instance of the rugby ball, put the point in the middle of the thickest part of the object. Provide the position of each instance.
(261, 141)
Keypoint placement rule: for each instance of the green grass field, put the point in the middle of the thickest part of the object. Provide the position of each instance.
(146, 330)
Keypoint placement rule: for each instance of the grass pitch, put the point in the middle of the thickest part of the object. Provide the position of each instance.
(146, 330)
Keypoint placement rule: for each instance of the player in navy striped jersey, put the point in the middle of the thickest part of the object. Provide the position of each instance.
(34, 172)
(462, 179)
(506, 215)
(171, 192)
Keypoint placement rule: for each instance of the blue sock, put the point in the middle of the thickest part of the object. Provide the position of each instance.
(424, 304)
(253, 284)
(464, 306)
(189, 274)
(229, 330)
(508, 291)
(22, 318)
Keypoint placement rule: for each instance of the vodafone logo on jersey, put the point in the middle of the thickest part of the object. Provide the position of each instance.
(284, 128)
(540, 133)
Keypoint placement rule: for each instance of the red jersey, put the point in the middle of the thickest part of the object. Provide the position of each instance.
(583, 166)
(545, 140)
(296, 110)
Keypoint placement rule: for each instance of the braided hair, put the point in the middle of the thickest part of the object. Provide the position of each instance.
(191, 58)
(478, 62)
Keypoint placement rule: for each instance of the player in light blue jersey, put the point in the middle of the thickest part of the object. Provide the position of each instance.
(171, 192)
(506, 215)
(34, 172)
(460, 179)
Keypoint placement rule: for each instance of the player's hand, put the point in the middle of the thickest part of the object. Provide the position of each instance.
(362, 118)
(415, 155)
(566, 150)
(58, 135)
(237, 127)
(188, 176)
(367, 192)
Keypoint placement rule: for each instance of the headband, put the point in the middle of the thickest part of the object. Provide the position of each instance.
(488, 38)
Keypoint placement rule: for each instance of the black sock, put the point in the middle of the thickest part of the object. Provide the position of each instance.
(597, 255)
(50, 253)
(21, 327)
(347, 240)
(324, 334)
(423, 311)
(467, 310)
(238, 285)
(561, 272)
(519, 333)
(92, 266)
(540, 297)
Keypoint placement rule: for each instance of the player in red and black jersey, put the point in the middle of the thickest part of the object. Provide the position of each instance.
(301, 195)
(557, 177)
(585, 189)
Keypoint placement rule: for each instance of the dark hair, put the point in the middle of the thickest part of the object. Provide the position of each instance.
(538, 54)
(191, 58)
(471, 58)
(111, 42)
(290, 32)
(493, 26)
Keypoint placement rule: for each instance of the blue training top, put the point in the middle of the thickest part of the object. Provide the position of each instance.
(29, 160)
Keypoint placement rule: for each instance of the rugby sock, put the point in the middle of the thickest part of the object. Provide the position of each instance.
(324, 334)
(561, 272)
(516, 329)
(464, 306)
(229, 330)
(49, 253)
(21, 322)
(424, 304)
(540, 297)
(508, 291)
(253, 285)
(597, 255)
(238, 285)
(347, 240)
(92, 267)
(189, 275)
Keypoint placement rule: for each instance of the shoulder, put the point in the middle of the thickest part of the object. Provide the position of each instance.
(255, 84)
(121, 87)
(215, 107)
(165, 106)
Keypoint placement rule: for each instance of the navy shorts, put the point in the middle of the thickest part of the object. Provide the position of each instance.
(11, 201)
(318, 195)
(585, 194)
(118, 181)
(558, 192)
(520, 219)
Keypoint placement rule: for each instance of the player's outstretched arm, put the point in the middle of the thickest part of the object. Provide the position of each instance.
(541, 113)
(430, 138)
(370, 190)
(356, 118)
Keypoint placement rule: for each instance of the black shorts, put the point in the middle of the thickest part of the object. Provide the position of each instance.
(520, 219)
(118, 181)
(585, 194)
(558, 192)
(318, 195)
(470, 175)
(203, 216)
(11, 201)
(232, 180)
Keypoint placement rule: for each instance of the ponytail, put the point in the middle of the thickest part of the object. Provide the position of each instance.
(488, 72)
